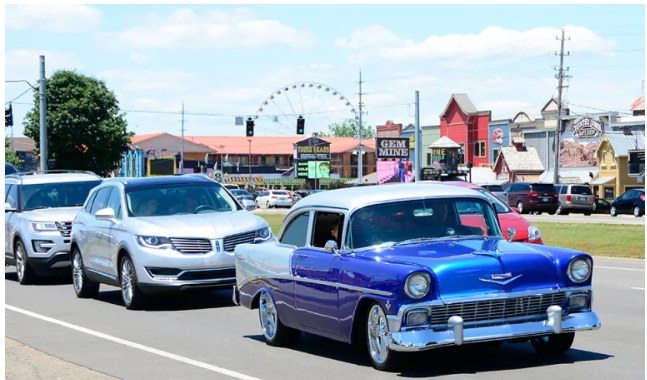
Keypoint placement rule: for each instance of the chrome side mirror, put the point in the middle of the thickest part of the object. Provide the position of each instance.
(331, 246)
(511, 233)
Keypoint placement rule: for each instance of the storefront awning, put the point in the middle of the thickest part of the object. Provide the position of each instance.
(528, 177)
(602, 181)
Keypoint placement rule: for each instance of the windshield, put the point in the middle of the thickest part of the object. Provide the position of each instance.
(496, 188)
(422, 220)
(581, 190)
(501, 208)
(178, 200)
(62, 194)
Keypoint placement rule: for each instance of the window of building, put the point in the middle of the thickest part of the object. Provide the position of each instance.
(263, 160)
(429, 159)
(278, 160)
(613, 158)
(242, 160)
(461, 153)
(479, 149)
(495, 154)
(609, 193)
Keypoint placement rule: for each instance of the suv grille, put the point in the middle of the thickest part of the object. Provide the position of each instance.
(230, 242)
(185, 245)
(480, 311)
(65, 228)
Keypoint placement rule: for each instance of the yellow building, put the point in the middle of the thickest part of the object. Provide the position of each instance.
(613, 156)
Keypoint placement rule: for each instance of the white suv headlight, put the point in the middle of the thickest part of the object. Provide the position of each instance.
(533, 233)
(579, 270)
(417, 285)
(154, 242)
(43, 226)
(264, 234)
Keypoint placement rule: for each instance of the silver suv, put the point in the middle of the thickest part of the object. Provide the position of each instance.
(39, 209)
(160, 234)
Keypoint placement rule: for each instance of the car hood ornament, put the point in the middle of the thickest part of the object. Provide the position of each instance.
(501, 279)
(496, 254)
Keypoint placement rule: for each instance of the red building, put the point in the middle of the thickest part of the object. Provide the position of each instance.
(468, 127)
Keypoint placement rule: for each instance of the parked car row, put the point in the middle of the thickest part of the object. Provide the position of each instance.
(144, 235)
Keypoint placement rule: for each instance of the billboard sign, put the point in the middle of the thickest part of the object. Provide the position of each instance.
(311, 149)
(400, 171)
(313, 169)
(636, 162)
(392, 147)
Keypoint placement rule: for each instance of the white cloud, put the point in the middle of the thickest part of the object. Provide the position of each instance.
(25, 64)
(183, 28)
(378, 42)
(61, 18)
(148, 80)
(139, 57)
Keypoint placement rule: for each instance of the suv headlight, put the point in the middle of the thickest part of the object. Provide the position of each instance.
(157, 242)
(533, 233)
(43, 226)
(579, 270)
(417, 285)
(264, 234)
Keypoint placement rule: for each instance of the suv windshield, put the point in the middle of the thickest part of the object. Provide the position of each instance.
(178, 199)
(543, 187)
(422, 220)
(581, 190)
(64, 194)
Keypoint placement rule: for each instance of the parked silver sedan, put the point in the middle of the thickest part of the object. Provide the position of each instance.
(159, 234)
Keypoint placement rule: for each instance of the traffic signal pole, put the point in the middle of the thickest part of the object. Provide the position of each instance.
(43, 118)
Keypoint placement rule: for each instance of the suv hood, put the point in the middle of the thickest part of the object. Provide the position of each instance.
(57, 214)
(476, 266)
(208, 225)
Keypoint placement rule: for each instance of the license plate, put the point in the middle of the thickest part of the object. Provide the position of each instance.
(546, 199)
(583, 199)
(282, 199)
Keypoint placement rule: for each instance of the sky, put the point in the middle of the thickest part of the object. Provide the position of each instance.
(225, 61)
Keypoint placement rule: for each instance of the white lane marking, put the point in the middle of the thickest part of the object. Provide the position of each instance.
(137, 346)
(637, 288)
(617, 268)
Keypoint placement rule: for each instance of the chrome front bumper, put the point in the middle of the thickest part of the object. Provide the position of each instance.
(418, 340)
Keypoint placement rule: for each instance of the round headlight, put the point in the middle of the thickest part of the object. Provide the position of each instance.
(264, 233)
(417, 285)
(579, 270)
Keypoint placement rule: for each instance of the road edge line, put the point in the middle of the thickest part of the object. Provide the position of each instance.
(141, 347)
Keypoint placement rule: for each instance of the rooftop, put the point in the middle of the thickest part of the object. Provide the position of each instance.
(355, 197)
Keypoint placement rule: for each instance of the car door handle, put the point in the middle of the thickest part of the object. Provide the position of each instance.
(301, 256)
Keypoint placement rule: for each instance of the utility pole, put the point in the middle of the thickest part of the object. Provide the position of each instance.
(43, 118)
(360, 151)
(250, 165)
(558, 131)
(182, 146)
(418, 166)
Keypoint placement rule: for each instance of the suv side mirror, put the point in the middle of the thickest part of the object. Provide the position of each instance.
(8, 208)
(105, 214)
(511, 233)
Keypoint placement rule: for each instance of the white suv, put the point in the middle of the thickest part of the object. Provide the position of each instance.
(159, 234)
(274, 198)
(38, 214)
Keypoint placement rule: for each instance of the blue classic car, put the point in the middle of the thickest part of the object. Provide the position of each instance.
(408, 268)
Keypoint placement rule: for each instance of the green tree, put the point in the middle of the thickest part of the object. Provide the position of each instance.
(10, 155)
(85, 129)
(348, 128)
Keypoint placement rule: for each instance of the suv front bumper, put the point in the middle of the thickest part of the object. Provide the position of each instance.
(48, 253)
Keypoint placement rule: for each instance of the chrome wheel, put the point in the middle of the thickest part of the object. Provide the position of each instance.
(20, 262)
(269, 317)
(77, 272)
(612, 211)
(127, 274)
(377, 335)
(520, 207)
(636, 211)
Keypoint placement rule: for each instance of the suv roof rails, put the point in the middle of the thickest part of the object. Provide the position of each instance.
(55, 171)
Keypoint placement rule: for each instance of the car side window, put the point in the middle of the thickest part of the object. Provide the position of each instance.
(12, 196)
(100, 200)
(327, 227)
(563, 189)
(88, 206)
(114, 202)
(296, 232)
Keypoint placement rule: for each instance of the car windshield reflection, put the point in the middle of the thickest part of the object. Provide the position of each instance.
(52, 195)
(422, 220)
(179, 200)
(501, 208)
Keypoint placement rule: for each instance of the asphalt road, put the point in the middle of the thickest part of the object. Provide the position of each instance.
(207, 337)
(571, 218)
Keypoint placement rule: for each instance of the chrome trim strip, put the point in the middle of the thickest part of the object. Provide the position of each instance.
(192, 271)
(101, 273)
(318, 282)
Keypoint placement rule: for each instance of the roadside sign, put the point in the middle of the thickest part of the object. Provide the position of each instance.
(239, 120)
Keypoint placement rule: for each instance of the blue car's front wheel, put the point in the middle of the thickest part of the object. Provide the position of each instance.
(275, 332)
(377, 337)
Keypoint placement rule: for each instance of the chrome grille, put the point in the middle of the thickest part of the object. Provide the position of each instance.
(185, 245)
(230, 242)
(480, 311)
(65, 228)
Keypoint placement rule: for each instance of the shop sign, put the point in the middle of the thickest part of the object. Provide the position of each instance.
(587, 127)
(392, 147)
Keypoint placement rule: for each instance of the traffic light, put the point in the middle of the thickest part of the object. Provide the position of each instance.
(8, 117)
(250, 127)
(301, 122)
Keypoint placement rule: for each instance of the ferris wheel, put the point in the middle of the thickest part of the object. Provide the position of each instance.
(319, 104)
